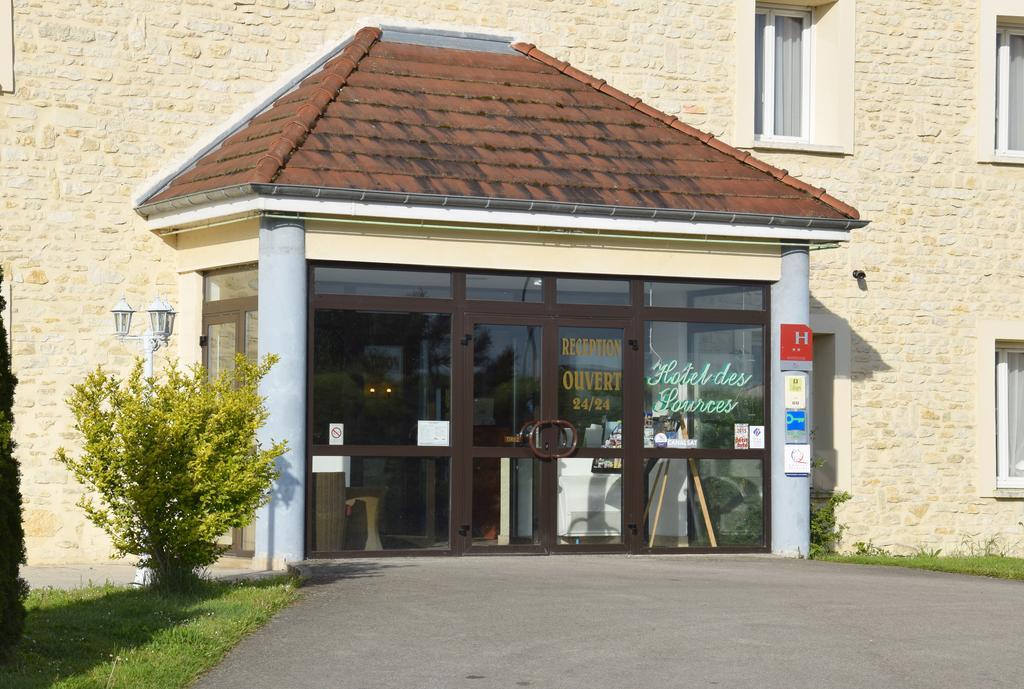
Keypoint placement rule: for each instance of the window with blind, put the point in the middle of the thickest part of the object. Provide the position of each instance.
(1010, 417)
(6, 45)
(782, 69)
(1010, 90)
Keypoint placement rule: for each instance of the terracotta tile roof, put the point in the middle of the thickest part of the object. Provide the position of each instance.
(419, 119)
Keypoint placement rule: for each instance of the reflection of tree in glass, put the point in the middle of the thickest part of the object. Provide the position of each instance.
(735, 506)
(356, 356)
(510, 377)
(719, 430)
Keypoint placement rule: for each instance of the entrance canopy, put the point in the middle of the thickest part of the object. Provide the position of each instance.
(476, 237)
(461, 121)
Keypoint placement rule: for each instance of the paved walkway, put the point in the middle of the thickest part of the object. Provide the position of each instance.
(77, 576)
(608, 622)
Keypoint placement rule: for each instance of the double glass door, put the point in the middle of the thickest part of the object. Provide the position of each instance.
(547, 409)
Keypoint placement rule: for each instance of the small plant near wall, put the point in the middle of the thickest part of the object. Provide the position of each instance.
(172, 463)
(973, 545)
(869, 549)
(825, 531)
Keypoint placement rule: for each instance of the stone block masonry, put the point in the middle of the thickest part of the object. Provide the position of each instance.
(108, 93)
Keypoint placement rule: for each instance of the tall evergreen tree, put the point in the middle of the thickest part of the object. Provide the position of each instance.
(13, 589)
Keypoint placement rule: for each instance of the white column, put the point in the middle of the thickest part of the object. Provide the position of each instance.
(791, 496)
(283, 305)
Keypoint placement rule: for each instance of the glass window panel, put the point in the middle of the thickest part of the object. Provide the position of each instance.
(520, 288)
(589, 510)
(506, 501)
(703, 502)
(220, 348)
(701, 380)
(1013, 420)
(252, 322)
(233, 285)
(506, 382)
(760, 21)
(584, 291)
(380, 503)
(1015, 112)
(694, 295)
(377, 282)
(788, 76)
(380, 374)
(590, 383)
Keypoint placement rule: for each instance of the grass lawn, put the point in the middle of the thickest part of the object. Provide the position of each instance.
(119, 637)
(979, 565)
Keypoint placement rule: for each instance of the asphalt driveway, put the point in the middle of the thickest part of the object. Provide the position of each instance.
(610, 622)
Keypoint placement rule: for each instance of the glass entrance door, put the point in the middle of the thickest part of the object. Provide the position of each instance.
(504, 477)
(589, 483)
(563, 384)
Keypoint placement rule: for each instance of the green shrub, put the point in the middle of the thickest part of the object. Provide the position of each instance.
(825, 532)
(13, 589)
(174, 462)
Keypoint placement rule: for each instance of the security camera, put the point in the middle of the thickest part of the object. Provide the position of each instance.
(859, 274)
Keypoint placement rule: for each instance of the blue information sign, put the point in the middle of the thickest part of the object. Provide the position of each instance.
(796, 420)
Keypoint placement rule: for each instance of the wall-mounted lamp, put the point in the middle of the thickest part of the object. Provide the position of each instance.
(859, 275)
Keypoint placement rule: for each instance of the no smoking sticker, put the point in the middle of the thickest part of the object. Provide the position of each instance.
(336, 433)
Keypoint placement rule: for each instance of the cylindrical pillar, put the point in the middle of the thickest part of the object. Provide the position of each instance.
(280, 525)
(791, 495)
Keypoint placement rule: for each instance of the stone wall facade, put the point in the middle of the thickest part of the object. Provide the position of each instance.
(109, 92)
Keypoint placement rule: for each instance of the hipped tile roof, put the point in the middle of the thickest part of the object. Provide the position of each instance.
(400, 117)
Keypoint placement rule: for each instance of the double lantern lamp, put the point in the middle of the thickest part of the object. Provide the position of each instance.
(161, 325)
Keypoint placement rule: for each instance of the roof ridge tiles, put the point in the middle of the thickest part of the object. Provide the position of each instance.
(336, 73)
(532, 51)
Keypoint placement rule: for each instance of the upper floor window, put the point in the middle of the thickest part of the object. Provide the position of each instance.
(1010, 417)
(1010, 90)
(6, 46)
(782, 73)
(795, 75)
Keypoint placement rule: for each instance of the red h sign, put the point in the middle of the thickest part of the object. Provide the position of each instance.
(796, 343)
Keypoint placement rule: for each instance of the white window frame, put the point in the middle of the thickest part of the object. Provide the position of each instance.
(1003, 34)
(6, 46)
(1003, 478)
(768, 65)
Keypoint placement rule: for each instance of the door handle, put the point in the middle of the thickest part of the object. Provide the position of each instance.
(632, 528)
(533, 432)
(565, 448)
(464, 530)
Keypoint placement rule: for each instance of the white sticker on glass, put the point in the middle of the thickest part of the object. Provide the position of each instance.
(432, 433)
(336, 433)
(757, 437)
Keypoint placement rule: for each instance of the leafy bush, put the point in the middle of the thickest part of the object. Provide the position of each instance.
(825, 532)
(13, 589)
(174, 462)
